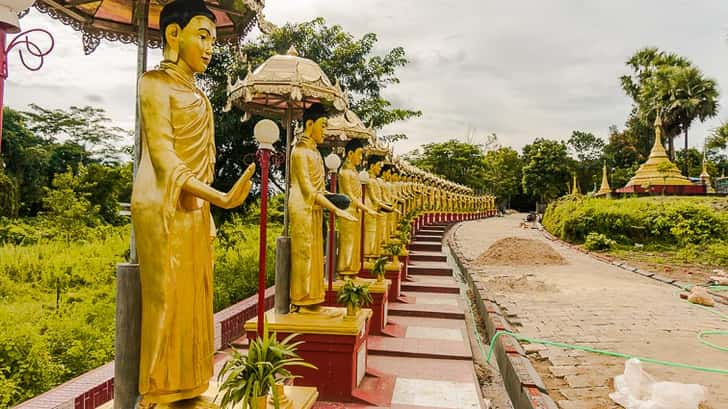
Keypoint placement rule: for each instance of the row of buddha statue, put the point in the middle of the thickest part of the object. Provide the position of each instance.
(389, 193)
(174, 230)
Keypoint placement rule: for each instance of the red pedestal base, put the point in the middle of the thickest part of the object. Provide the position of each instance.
(379, 309)
(341, 361)
(394, 276)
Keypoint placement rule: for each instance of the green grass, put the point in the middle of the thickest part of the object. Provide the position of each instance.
(691, 230)
(57, 307)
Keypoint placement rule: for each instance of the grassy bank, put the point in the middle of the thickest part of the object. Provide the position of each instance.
(57, 304)
(684, 235)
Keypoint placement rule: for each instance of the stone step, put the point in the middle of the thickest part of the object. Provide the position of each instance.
(426, 246)
(415, 256)
(426, 310)
(418, 348)
(429, 269)
(427, 237)
(431, 287)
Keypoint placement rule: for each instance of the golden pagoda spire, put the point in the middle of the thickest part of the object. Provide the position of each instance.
(604, 189)
(648, 173)
(705, 177)
(575, 186)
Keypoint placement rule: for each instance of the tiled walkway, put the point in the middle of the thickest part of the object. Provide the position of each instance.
(429, 365)
(591, 303)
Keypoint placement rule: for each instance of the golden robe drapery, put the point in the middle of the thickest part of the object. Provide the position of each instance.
(348, 261)
(174, 234)
(306, 228)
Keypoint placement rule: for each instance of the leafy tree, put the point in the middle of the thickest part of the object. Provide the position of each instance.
(345, 58)
(68, 206)
(588, 151)
(639, 85)
(457, 161)
(25, 156)
(87, 127)
(502, 172)
(545, 172)
(9, 202)
(682, 94)
(342, 56)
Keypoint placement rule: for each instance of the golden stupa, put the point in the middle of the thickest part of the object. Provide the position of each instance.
(705, 178)
(604, 189)
(649, 173)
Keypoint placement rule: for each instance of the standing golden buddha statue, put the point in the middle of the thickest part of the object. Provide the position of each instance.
(305, 206)
(348, 262)
(171, 211)
(372, 231)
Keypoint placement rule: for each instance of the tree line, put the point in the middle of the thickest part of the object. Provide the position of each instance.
(658, 82)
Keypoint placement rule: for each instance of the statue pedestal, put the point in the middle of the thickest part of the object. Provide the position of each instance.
(379, 307)
(334, 343)
(392, 272)
(299, 397)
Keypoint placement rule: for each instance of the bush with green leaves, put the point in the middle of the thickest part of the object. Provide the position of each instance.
(668, 220)
(598, 242)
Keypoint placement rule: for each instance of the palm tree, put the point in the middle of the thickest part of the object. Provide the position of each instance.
(691, 96)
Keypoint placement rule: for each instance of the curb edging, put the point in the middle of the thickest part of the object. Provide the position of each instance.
(723, 299)
(525, 387)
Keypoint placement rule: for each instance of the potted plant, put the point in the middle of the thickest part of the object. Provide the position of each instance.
(248, 379)
(354, 296)
(378, 269)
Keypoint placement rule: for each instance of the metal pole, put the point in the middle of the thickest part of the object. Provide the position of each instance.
(289, 141)
(361, 228)
(283, 244)
(127, 342)
(3, 76)
(142, 16)
(332, 237)
(263, 156)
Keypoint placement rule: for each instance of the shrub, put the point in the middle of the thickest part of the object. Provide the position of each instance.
(675, 220)
(598, 242)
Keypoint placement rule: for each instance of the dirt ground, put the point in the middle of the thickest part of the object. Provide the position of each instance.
(515, 251)
(591, 303)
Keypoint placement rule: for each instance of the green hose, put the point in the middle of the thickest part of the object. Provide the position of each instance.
(608, 353)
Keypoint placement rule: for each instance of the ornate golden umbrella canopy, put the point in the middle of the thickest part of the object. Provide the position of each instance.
(285, 84)
(346, 126)
(116, 20)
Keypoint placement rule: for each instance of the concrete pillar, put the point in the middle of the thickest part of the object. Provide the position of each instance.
(283, 272)
(128, 335)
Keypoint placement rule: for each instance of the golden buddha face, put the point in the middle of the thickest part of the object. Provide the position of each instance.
(317, 129)
(375, 169)
(355, 157)
(193, 43)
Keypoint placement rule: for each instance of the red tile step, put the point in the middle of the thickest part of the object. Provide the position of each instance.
(376, 388)
(432, 232)
(426, 246)
(427, 256)
(426, 310)
(428, 237)
(418, 348)
(431, 268)
(431, 287)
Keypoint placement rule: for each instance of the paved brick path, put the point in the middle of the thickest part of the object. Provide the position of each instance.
(591, 303)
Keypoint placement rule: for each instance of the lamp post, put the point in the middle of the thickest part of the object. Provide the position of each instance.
(364, 180)
(266, 134)
(332, 162)
(9, 10)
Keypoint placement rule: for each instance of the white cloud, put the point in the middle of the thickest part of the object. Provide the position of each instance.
(520, 69)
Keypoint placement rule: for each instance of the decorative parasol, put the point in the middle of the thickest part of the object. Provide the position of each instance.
(282, 87)
(119, 20)
(346, 126)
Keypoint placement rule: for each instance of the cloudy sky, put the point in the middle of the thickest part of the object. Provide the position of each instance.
(521, 69)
